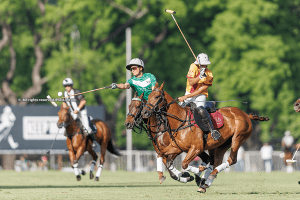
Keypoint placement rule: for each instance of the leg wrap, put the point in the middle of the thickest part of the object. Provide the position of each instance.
(208, 172)
(175, 171)
(192, 169)
(159, 164)
(93, 165)
(98, 174)
(75, 167)
(222, 166)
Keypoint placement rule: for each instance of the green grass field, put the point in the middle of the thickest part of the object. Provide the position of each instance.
(131, 185)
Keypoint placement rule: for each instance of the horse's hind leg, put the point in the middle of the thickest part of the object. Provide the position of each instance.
(94, 156)
(217, 157)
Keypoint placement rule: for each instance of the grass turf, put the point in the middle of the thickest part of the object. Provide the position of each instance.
(131, 185)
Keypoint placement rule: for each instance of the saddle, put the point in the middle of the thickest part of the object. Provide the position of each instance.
(215, 115)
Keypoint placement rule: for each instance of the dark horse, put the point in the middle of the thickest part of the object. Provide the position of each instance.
(236, 130)
(156, 129)
(77, 143)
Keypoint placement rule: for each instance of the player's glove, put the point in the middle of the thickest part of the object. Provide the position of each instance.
(113, 86)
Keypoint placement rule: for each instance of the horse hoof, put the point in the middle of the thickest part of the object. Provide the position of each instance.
(201, 190)
(162, 179)
(82, 172)
(189, 179)
(96, 179)
(91, 175)
(185, 175)
(78, 177)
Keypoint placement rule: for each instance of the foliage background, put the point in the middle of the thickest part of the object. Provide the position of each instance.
(253, 47)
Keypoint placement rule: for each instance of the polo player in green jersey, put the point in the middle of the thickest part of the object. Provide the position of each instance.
(140, 82)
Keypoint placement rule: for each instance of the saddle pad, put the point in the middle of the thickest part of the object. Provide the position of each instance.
(216, 118)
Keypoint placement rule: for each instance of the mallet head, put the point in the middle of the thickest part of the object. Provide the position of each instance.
(48, 151)
(291, 161)
(170, 11)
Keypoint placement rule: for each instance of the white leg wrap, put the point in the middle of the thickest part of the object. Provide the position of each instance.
(222, 166)
(208, 172)
(98, 174)
(79, 171)
(76, 171)
(175, 171)
(183, 180)
(93, 165)
(209, 182)
(159, 164)
(192, 169)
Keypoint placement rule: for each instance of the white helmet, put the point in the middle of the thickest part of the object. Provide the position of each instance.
(203, 59)
(287, 133)
(137, 62)
(67, 82)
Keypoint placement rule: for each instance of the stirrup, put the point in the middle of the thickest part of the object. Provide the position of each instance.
(215, 134)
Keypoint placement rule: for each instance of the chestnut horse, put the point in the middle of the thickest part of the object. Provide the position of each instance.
(77, 143)
(156, 129)
(236, 130)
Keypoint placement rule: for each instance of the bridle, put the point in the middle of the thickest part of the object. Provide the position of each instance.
(161, 113)
(64, 124)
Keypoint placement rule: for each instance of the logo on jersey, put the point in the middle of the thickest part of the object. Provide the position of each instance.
(144, 83)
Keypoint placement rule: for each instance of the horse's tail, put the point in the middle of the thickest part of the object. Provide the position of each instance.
(257, 118)
(111, 148)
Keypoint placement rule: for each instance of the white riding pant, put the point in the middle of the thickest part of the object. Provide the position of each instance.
(198, 100)
(82, 115)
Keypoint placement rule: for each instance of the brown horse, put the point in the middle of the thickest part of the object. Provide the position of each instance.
(236, 130)
(297, 105)
(77, 143)
(156, 128)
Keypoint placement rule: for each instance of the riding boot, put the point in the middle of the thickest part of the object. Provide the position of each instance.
(93, 139)
(207, 120)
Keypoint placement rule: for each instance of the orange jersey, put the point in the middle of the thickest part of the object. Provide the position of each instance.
(194, 72)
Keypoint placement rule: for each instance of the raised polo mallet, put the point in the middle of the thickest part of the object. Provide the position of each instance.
(293, 161)
(173, 12)
(53, 103)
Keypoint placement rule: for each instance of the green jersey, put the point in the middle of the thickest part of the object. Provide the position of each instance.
(143, 84)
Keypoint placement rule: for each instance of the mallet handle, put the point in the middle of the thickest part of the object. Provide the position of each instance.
(170, 11)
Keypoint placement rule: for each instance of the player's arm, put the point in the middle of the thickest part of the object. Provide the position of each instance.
(193, 81)
(123, 86)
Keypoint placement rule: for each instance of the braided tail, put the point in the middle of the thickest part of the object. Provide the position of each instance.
(257, 118)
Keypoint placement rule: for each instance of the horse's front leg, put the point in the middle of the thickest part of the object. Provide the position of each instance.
(79, 153)
(159, 166)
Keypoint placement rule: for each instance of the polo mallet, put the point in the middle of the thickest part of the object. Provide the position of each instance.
(48, 151)
(173, 12)
(107, 87)
(53, 103)
(293, 161)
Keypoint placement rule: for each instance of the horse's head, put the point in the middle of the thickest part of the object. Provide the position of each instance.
(63, 116)
(297, 106)
(156, 100)
(134, 113)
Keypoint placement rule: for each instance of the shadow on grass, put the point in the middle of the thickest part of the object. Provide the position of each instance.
(113, 185)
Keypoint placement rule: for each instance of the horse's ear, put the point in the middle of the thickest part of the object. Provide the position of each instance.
(62, 106)
(162, 86)
(135, 94)
(156, 85)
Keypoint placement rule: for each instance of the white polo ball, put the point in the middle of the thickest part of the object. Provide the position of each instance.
(59, 94)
